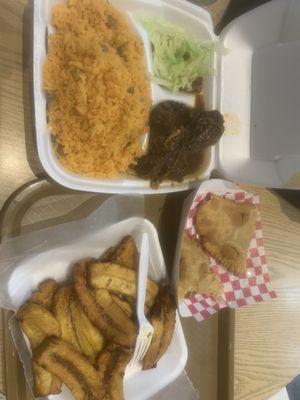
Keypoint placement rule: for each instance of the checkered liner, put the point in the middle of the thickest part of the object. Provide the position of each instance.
(252, 288)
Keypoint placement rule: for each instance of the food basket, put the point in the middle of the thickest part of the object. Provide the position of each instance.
(260, 144)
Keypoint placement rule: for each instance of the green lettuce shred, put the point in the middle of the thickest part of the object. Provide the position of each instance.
(178, 59)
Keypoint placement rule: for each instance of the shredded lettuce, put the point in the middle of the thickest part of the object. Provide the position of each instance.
(178, 59)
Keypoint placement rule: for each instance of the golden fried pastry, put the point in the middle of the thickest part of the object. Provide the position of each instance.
(195, 275)
(125, 253)
(162, 318)
(225, 229)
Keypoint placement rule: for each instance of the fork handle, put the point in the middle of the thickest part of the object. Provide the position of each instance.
(142, 276)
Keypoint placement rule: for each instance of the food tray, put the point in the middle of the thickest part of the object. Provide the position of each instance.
(40, 204)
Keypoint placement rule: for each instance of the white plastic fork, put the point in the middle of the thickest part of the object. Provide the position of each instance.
(145, 334)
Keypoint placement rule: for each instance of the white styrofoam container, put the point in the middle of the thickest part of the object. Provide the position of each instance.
(255, 86)
(57, 263)
(193, 18)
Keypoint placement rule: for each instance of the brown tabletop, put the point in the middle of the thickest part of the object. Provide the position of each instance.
(266, 337)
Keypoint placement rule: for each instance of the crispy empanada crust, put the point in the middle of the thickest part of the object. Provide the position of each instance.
(225, 229)
(195, 275)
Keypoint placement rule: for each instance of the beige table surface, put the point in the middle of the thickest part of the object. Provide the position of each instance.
(267, 336)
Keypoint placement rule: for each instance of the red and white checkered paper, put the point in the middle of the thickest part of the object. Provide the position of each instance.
(253, 287)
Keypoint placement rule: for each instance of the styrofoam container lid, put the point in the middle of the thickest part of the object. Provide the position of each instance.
(255, 87)
(258, 93)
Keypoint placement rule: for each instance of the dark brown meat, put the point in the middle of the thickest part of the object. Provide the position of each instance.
(205, 127)
(178, 136)
(166, 117)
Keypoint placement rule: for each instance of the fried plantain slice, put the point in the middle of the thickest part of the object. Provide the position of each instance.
(44, 383)
(124, 253)
(116, 317)
(105, 360)
(112, 364)
(151, 357)
(37, 323)
(116, 383)
(169, 311)
(61, 311)
(44, 294)
(88, 336)
(125, 301)
(119, 280)
(61, 359)
(123, 304)
(106, 315)
(163, 317)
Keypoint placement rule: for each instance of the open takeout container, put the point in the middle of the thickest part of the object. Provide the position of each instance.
(255, 86)
(29, 259)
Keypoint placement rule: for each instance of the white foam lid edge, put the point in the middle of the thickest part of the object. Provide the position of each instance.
(258, 80)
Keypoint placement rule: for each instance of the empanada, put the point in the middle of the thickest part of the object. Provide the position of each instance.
(225, 229)
(195, 275)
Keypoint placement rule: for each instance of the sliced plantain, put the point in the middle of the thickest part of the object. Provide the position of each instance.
(37, 323)
(71, 367)
(61, 311)
(44, 294)
(119, 280)
(116, 384)
(123, 304)
(88, 336)
(112, 364)
(106, 315)
(169, 316)
(124, 253)
(44, 383)
(162, 318)
(116, 317)
(151, 356)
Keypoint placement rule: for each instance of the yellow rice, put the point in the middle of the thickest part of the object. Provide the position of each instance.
(99, 92)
